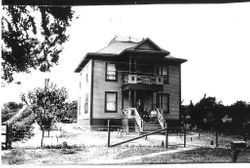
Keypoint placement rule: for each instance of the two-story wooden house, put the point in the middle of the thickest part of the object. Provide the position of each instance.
(129, 80)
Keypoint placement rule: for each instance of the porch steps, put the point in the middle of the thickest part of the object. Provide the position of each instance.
(149, 127)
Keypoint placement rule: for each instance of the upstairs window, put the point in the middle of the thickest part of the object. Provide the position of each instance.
(86, 78)
(110, 102)
(163, 71)
(111, 73)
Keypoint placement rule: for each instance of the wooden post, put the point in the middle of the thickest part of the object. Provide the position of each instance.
(166, 135)
(129, 98)
(130, 65)
(123, 94)
(216, 139)
(8, 136)
(108, 134)
(8, 132)
(184, 134)
(135, 66)
(135, 97)
(245, 133)
(235, 155)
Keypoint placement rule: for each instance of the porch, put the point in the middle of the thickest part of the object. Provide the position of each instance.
(144, 108)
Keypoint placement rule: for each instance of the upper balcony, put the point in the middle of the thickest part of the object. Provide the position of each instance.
(142, 82)
(143, 79)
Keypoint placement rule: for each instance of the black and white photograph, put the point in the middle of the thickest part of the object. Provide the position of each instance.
(125, 84)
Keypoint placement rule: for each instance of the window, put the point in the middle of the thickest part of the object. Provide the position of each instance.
(79, 110)
(163, 102)
(86, 103)
(110, 101)
(111, 74)
(86, 78)
(163, 71)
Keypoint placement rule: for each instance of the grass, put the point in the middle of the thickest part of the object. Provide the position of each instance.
(83, 147)
(134, 151)
(199, 155)
(16, 156)
(101, 155)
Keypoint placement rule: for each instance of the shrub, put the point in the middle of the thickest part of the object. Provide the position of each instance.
(7, 114)
(26, 113)
(16, 156)
(9, 110)
(22, 130)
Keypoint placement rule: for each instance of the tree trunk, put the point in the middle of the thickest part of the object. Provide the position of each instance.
(42, 138)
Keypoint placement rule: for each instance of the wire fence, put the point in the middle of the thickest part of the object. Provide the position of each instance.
(104, 135)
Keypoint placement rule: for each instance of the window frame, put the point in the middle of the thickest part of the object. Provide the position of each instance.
(106, 73)
(79, 107)
(86, 104)
(105, 102)
(160, 73)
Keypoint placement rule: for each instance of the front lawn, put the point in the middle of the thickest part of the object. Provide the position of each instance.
(116, 155)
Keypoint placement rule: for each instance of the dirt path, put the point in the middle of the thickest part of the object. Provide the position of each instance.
(110, 160)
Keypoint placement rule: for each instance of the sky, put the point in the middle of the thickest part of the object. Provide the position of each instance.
(214, 38)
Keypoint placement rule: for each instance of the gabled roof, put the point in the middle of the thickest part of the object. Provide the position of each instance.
(119, 46)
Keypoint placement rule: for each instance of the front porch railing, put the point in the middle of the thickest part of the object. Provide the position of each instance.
(133, 113)
(160, 118)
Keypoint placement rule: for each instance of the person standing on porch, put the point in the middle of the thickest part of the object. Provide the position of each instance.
(139, 107)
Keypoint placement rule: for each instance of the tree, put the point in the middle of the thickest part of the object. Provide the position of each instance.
(32, 37)
(239, 111)
(205, 110)
(47, 104)
(9, 110)
(71, 111)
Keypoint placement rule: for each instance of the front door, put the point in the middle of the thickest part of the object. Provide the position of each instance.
(140, 102)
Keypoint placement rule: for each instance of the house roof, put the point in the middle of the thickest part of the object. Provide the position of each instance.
(118, 46)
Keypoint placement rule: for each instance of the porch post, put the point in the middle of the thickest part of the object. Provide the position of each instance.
(152, 106)
(135, 96)
(123, 99)
(135, 65)
(129, 98)
(129, 65)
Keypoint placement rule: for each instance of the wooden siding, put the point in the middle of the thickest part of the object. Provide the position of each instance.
(85, 90)
(173, 90)
(100, 85)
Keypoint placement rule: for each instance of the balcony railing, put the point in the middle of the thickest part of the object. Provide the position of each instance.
(142, 79)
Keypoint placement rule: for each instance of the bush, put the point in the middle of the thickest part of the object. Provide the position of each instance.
(7, 114)
(26, 113)
(22, 130)
(9, 110)
(16, 156)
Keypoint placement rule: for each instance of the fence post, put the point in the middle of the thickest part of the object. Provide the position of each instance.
(8, 135)
(108, 134)
(166, 135)
(244, 133)
(216, 140)
(184, 135)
